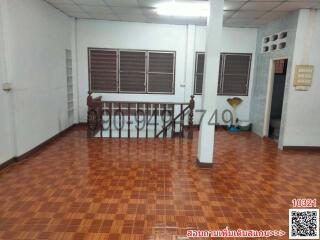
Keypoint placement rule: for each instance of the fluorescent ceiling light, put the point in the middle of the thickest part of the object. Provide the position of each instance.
(183, 9)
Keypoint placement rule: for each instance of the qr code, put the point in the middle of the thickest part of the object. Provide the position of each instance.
(304, 223)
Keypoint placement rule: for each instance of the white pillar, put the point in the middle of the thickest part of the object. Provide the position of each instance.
(189, 61)
(210, 82)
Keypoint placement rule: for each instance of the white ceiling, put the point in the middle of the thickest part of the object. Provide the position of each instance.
(238, 13)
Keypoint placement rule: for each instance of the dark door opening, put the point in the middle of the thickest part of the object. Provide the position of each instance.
(279, 80)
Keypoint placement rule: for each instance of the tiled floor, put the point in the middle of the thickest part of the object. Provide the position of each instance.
(79, 188)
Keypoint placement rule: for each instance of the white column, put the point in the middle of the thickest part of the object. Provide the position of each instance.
(189, 62)
(210, 82)
(74, 48)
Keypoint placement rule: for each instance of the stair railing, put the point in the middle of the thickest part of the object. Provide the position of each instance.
(146, 114)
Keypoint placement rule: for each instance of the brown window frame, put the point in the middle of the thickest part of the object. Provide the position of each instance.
(89, 70)
(120, 71)
(221, 74)
(196, 74)
(146, 72)
(173, 73)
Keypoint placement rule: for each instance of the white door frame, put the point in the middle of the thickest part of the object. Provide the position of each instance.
(269, 95)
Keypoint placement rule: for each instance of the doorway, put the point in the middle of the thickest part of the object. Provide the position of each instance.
(278, 82)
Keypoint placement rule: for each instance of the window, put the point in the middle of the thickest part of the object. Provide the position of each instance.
(275, 37)
(161, 72)
(266, 49)
(274, 47)
(130, 71)
(274, 42)
(282, 45)
(199, 69)
(103, 70)
(283, 35)
(234, 74)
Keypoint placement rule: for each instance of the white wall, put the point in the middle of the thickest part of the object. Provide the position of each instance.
(260, 98)
(301, 126)
(7, 150)
(106, 34)
(234, 40)
(185, 40)
(37, 36)
(6, 135)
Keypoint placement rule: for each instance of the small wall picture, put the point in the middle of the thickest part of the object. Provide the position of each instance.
(303, 77)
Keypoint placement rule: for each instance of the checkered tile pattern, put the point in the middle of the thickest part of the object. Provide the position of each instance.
(80, 188)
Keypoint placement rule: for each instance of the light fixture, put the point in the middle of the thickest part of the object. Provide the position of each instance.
(183, 9)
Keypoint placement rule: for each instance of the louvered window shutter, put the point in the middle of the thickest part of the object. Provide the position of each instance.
(132, 72)
(199, 70)
(234, 74)
(103, 70)
(161, 72)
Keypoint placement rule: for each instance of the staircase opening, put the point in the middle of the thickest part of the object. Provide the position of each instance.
(139, 119)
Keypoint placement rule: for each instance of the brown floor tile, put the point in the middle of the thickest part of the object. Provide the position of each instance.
(79, 188)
